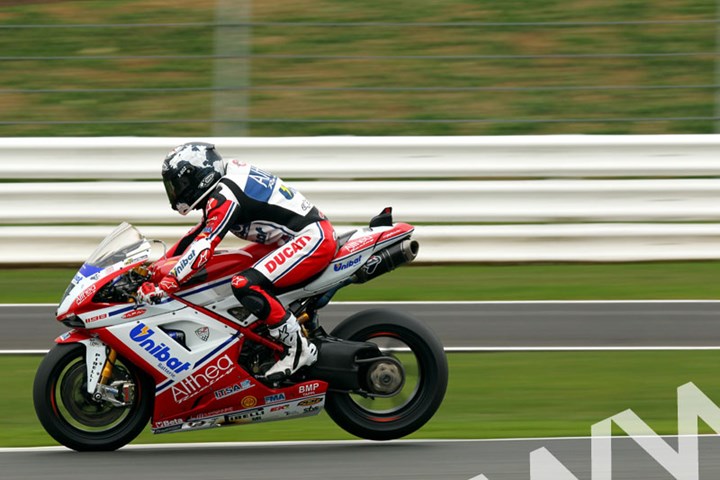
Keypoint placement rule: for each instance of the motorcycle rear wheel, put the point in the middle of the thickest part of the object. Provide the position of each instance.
(69, 414)
(425, 370)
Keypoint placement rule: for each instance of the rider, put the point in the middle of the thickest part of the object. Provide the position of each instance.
(256, 206)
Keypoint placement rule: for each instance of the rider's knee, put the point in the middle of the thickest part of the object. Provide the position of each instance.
(247, 287)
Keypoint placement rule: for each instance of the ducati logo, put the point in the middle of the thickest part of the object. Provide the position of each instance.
(203, 333)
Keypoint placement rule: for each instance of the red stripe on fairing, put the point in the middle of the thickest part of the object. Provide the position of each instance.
(398, 230)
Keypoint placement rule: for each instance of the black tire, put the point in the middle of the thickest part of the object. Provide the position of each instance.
(427, 395)
(70, 416)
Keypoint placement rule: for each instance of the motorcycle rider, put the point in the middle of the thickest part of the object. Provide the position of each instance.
(257, 206)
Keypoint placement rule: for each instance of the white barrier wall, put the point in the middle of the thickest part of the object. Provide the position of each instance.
(476, 198)
(378, 157)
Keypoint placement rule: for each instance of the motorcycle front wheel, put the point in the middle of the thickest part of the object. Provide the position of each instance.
(420, 392)
(69, 414)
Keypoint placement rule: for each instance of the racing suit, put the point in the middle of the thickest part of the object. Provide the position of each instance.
(257, 206)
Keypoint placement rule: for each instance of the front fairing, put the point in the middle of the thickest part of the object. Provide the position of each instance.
(123, 249)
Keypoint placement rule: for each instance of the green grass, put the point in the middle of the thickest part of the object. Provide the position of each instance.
(631, 281)
(345, 73)
(492, 395)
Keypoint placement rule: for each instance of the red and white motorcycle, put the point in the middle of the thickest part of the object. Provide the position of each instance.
(196, 360)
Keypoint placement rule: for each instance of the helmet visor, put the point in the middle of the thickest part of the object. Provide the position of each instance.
(177, 190)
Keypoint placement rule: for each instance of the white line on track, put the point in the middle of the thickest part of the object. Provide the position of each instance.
(320, 443)
(580, 348)
(461, 302)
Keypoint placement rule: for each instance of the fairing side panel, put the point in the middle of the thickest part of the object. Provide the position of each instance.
(352, 256)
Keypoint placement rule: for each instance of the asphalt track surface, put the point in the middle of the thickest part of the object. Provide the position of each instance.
(491, 324)
(349, 460)
(479, 324)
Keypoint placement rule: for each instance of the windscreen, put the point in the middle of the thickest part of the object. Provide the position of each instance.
(122, 243)
(125, 239)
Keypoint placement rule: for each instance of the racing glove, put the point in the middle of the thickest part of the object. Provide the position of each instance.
(151, 293)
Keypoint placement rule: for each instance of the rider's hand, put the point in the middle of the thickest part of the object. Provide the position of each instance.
(150, 293)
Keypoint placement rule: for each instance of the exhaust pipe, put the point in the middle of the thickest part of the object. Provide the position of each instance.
(387, 260)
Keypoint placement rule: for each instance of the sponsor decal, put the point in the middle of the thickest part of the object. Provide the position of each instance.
(96, 318)
(168, 423)
(286, 253)
(131, 260)
(309, 389)
(262, 177)
(279, 408)
(135, 313)
(169, 284)
(345, 265)
(260, 235)
(238, 281)
(206, 181)
(202, 259)
(143, 335)
(286, 192)
(172, 428)
(306, 205)
(203, 333)
(211, 204)
(77, 278)
(358, 244)
(183, 263)
(232, 390)
(275, 398)
(249, 402)
(246, 417)
(66, 335)
(309, 401)
(214, 413)
(88, 292)
(310, 409)
(98, 360)
(371, 265)
(197, 382)
(202, 424)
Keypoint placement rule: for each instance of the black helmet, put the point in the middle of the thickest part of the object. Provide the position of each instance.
(189, 173)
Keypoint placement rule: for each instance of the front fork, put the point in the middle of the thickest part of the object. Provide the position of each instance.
(100, 360)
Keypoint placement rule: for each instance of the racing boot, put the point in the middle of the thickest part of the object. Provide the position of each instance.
(300, 353)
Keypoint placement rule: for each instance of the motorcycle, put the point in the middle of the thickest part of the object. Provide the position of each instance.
(196, 359)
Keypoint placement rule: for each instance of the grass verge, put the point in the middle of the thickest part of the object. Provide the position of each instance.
(631, 281)
(492, 395)
(303, 72)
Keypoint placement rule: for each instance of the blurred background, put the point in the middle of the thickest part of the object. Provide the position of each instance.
(332, 67)
(526, 209)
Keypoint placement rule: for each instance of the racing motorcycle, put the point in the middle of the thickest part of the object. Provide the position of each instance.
(196, 360)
